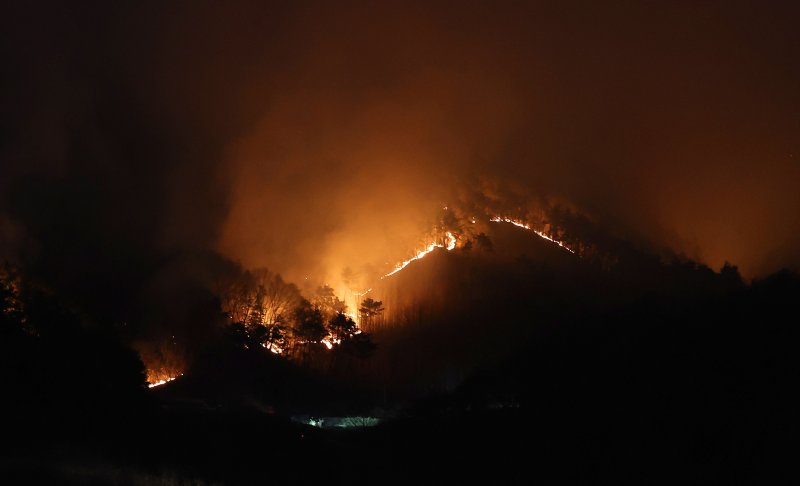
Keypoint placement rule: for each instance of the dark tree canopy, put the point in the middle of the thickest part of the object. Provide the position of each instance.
(309, 323)
(370, 310)
(325, 299)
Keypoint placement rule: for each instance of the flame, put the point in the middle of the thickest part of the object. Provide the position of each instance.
(164, 381)
(330, 342)
(498, 219)
(451, 241)
(450, 245)
(362, 294)
(161, 373)
(273, 348)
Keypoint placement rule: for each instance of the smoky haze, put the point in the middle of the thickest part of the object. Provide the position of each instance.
(675, 124)
(310, 138)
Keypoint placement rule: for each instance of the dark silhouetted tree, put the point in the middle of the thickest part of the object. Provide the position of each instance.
(370, 310)
(276, 337)
(730, 276)
(341, 327)
(350, 339)
(325, 299)
(359, 345)
(309, 327)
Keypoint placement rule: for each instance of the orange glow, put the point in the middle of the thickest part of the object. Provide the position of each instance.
(498, 219)
(163, 361)
(450, 245)
(451, 241)
(163, 381)
(273, 348)
(330, 342)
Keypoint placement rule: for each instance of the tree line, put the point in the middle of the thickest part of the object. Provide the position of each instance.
(263, 310)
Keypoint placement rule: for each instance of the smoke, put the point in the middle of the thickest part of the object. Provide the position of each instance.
(674, 126)
(319, 138)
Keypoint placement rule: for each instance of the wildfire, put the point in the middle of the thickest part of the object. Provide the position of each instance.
(164, 381)
(449, 245)
(163, 361)
(330, 342)
(273, 348)
(498, 219)
(451, 241)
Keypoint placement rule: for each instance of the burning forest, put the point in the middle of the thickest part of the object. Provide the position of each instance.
(304, 242)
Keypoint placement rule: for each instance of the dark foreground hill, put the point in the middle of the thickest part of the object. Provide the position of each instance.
(456, 311)
(568, 373)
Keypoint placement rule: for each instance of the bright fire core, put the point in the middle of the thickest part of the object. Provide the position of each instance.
(448, 245)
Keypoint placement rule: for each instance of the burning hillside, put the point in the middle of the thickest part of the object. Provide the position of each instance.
(464, 224)
(316, 322)
(262, 310)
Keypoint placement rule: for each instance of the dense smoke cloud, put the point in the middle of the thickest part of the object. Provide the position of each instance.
(312, 137)
(677, 125)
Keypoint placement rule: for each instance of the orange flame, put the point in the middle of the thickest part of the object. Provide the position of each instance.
(274, 349)
(450, 245)
(164, 381)
(498, 219)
